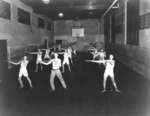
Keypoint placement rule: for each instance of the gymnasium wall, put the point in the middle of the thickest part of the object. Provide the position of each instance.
(21, 37)
(94, 33)
(136, 56)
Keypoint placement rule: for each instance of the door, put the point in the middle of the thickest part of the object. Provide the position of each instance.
(3, 58)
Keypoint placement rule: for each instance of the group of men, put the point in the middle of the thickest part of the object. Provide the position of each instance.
(52, 57)
(100, 58)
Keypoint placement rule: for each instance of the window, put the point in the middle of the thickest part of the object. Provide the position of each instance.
(133, 22)
(23, 16)
(5, 10)
(145, 21)
(41, 23)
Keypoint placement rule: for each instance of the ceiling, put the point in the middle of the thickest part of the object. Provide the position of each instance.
(72, 9)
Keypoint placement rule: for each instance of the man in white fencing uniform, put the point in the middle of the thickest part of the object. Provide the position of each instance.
(23, 71)
(56, 64)
(69, 50)
(100, 55)
(38, 59)
(47, 54)
(109, 72)
(66, 61)
(93, 51)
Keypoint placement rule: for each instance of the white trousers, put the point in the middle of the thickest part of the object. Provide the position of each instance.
(57, 73)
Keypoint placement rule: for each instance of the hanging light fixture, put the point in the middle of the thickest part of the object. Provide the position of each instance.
(60, 15)
(46, 1)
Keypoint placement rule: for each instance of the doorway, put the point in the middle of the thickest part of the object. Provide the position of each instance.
(3, 58)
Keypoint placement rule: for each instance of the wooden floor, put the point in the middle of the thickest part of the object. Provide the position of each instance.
(83, 97)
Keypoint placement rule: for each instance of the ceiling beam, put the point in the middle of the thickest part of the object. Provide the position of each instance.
(73, 8)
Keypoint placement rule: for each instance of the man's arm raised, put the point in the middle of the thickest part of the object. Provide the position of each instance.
(15, 63)
(96, 61)
(46, 63)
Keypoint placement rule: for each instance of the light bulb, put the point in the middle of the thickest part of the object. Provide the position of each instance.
(60, 14)
(46, 1)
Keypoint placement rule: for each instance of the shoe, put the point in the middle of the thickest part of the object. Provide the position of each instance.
(51, 91)
(117, 90)
(66, 88)
(103, 91)
(21, 87)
